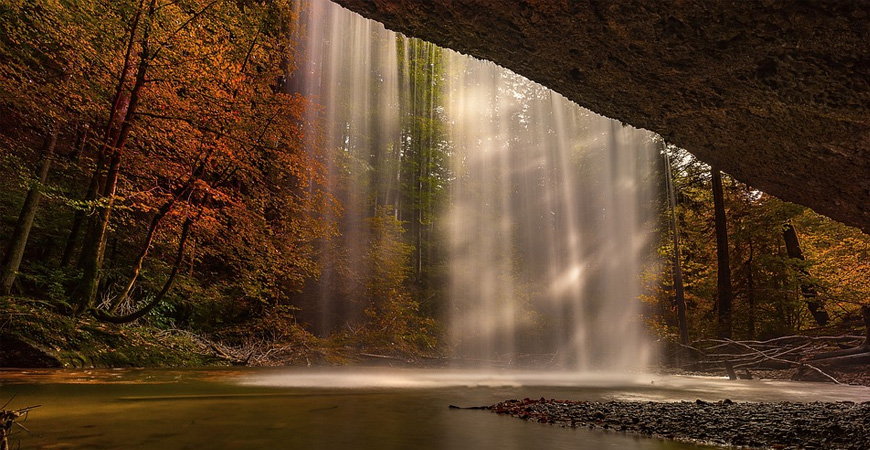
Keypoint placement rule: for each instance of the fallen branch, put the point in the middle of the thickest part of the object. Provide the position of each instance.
(799, 364)
(216, 347)
(839, 353)
(372, 355)
(776, 356)
(848, 360)
(777, 343)
(9, 418)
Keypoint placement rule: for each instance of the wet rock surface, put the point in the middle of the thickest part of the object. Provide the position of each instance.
(841, 425)
(774, 92)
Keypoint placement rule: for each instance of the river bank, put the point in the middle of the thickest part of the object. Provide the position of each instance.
(778, 425)
(35, 335)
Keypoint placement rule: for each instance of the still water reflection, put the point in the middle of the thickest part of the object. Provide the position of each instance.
(347, 409)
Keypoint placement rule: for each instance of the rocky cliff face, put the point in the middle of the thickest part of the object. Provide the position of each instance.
(776, 93)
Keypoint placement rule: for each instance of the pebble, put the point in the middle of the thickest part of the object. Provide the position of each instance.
(781, 425)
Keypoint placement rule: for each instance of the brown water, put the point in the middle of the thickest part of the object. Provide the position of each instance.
(341, 408)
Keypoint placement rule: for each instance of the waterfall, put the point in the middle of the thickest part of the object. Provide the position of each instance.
(547, 221)
(548, 224)
(347, 67)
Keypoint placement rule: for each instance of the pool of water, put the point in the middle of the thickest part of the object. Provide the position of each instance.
(305, 408)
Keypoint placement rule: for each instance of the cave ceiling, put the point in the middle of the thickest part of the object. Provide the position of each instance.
(774, 93)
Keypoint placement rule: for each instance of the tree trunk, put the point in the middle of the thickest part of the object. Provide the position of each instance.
(80, 215)
(179, 257)
(808, 290)
(120, 122)
(140, 259)
(182, 191)
(865, 314)
(82, 131)
(94, 246)
(750, 290)
(15, 251)
(724, 268)
(192, 258)
(679, 291)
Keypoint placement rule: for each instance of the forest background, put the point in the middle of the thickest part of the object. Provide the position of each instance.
(163, 186)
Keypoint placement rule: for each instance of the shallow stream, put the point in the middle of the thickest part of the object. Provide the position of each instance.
(338, 408)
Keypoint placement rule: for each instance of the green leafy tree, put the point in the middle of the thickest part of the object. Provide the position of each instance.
(395, 321)
(768, 301)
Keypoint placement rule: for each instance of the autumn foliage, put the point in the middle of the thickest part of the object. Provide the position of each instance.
(180, 175)
(158, 165)
(186, 181)
(769, 285)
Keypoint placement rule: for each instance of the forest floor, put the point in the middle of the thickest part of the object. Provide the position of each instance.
(34, 335)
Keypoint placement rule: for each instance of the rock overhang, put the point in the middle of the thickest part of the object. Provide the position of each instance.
(775, 93)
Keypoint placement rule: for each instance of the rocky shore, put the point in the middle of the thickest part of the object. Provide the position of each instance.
(841, 425)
